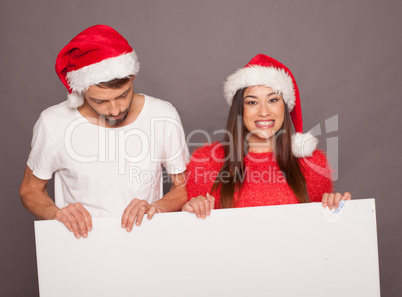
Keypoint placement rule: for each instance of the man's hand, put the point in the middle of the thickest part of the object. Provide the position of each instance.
(172, 201)
(36, 199)
(200, 205)
(135, 212)
(332, 199)
(76, 218)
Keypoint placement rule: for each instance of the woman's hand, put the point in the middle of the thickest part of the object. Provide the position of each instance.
(332, 199)
(200, 205)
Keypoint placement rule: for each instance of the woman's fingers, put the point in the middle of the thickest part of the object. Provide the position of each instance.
(332, 200)
(347, 196)
(196, 207)
(200, 205)
(337, 198)
(211, 200)
(187, 207)
(325, 199)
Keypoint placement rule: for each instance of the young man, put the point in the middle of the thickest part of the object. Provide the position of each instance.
(105, 145)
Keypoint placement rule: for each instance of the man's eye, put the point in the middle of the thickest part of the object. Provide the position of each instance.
(123, 96)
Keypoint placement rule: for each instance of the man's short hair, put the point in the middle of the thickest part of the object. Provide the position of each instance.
(114, 83)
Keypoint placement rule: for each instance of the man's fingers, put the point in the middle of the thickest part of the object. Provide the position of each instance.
(151, 212)
(76, 218)
(131, 218)
(124, 217)
(63, 219)
(140, 214)
(134, 213)
(73, 222)
(86, 215)
(67, 223)
(79, 219)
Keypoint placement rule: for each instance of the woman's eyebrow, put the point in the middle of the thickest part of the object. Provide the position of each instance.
(252, 96)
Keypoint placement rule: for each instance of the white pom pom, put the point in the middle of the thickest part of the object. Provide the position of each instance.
(75, 100)
(303, 145)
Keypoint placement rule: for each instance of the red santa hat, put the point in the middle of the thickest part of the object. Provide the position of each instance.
(266, 71)
(97, 54)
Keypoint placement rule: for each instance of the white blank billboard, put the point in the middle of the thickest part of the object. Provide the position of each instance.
(291, 250)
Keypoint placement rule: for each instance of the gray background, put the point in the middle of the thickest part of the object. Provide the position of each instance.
(345, 55)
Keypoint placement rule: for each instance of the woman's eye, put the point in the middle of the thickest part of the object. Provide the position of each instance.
(251, 102)
(273, 100)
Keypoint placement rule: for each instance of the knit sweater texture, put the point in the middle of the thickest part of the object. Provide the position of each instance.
(264, 183)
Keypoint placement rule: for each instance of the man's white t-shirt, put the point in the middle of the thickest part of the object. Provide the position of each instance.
(105, 168)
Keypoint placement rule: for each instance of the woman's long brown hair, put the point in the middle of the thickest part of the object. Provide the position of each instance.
(231, 176)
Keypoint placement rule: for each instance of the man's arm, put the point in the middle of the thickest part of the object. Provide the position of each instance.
(35, 199)
(176, 197)
(172, 201)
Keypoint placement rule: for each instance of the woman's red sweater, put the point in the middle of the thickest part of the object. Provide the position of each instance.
(264, 183)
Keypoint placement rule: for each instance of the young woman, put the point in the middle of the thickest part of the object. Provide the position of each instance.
(259, 161)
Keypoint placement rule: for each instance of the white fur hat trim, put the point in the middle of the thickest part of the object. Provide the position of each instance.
(303, 145)
(276, 79)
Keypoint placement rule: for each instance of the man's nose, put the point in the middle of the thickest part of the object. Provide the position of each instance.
(114, 109)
